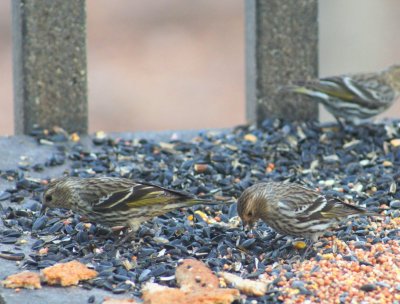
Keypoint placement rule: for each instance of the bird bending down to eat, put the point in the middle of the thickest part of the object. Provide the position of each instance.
(113, 201)
(354, 96)
(294, 210)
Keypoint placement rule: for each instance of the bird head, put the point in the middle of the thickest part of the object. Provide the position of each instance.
(249, 206)
(393, 76)
(58, 194)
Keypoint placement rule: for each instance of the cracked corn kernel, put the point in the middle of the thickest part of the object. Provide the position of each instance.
(250, 137)
(299, 245)
(74, 137)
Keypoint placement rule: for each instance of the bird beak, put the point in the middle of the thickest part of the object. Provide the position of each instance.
(247, 226)
(43, 210)
(244, 224)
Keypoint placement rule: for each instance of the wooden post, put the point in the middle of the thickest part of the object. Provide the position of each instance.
(281, 47)
(49, 49)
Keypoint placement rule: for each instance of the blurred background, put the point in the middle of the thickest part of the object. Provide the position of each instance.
(173, 64)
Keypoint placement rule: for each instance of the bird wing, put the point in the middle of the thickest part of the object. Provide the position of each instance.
(296, 200)
(138, 195)
(302, 207)
(363, 91)
(305, 205)
(331, 208)
(331, 86)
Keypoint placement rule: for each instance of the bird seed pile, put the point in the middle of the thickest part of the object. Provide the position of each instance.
(359, 261)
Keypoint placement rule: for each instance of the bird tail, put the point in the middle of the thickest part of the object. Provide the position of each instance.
(341, 209)
(290, 88)
(362, 210)
(304, 90)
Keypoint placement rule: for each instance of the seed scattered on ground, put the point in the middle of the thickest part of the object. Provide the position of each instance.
(359, 164)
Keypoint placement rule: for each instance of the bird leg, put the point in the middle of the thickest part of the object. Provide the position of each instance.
(129, 235)
(105, 234)
(341, 124)
(351, 253)
(311, 243)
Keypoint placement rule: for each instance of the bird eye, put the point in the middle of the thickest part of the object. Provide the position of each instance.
(250, 214)
(48, 198)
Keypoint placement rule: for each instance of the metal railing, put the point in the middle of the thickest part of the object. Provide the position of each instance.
(50, 70)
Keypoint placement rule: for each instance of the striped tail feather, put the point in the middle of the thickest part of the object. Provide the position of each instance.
(339, 209)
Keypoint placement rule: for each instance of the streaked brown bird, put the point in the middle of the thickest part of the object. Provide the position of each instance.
(291, 209)
(113, 201)
(353, 96)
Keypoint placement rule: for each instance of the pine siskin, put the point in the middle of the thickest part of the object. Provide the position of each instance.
(113, 201)
(356, 96)
(291, 209)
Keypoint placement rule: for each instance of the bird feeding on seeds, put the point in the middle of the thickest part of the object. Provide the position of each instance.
(114, 201)
(294, 210)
